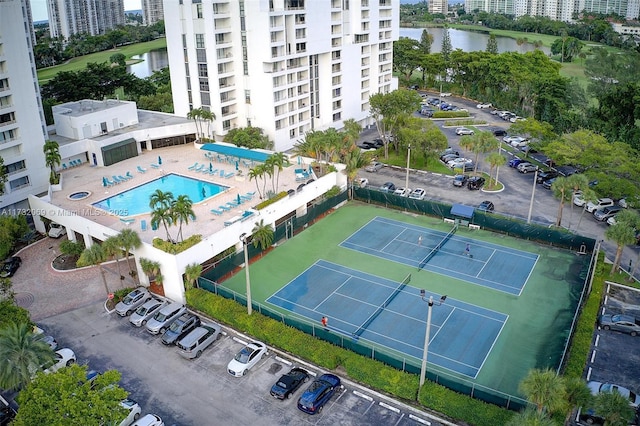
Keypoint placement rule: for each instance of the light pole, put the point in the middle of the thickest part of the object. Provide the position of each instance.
(244, 238)
(533, 193)
(406, 182)
(423, 370)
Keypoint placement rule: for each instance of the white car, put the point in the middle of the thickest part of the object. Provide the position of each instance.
(418, 194)
(611, 221)
(133, 409)
(519, 142)
(601, 203)
(402, 191)
(248, 357)
(56, 230)
(578, 200)
(149, 420)
(463, 131)
(483, 106)
(362, 182)
(457, 162)
(445, 94)
(374, 167)
(63, 358)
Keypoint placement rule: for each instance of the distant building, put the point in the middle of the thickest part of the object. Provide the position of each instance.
(152, 11)
(286, 66)
(22, 128)
(68, 17)
(559, 10)
(438, 6)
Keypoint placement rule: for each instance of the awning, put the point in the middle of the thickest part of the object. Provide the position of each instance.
(249, 154)
(462, 211)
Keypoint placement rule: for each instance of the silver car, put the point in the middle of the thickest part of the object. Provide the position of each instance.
(164, 317)
(192, 345)
(146, 311)
(131, 301)
(625, 323)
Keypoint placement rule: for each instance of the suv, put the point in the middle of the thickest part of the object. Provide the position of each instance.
(543, 176)
(132, 300)
(180, 328)
(192, 345)
(624, 323)
(374, 167)
(56, 230)
(164, 317)
(463, 131)
(460, 180)
(475, 182)
(599, 204)
(606, 213)
(526, 167)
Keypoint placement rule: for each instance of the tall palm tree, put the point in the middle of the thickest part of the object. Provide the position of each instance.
(92, 256)
(113, 248)
(354, 161)
(277, 161)
(22, 353)
(495, 160)
(613, 408)
(256, 173)
(191, 274)
(531, 417)
(208, 117)
(262, 235)
(129, 240)
(195, 115)
(545, 389)
(563, 189)
(622, 234)
(182, 211)
(160, 203)
(52, 157)
(478, 143)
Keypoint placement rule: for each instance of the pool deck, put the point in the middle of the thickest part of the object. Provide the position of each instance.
(176, 159)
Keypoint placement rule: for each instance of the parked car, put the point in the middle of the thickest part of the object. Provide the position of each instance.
(546, 175)
(463, 131)
(486, 206)
(457, 162)
(133, 411)
(509, 139)
(145, 311)
(518, 142)
(402, 191)
(499, 132)
(162, 319)
(446, 158)
(526, 167)
(460, 180)
(56, 230)
(445, 94)
(180, 328)
(597, 387)
(612, 221)
(362, 182)
(606, 213)
(577, 199)
(149, 420)
(318, 393)
(483, 106)
(132, 300)
(49, 340)
(417, 194)
(388, 187)
(288, 383)
(10, 266)
(63, 358)
(448, 151)
(514, 162)
(467, 167)
(7, 412)
(566, 171)
(246, 359)
(200, 338)
(374, 167)
(599, 204)
(625, 323)
(547, 184)
(475, 182)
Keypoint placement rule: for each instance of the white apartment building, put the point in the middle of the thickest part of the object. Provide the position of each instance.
(68, 17)
(152, 11)
(22, 129)
(558, 10)
(438, 6)
(286, 66)
(506, 7)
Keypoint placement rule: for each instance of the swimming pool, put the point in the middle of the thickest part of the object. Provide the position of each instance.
(136, 200)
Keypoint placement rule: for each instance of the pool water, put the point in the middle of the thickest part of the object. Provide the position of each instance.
(136, 200)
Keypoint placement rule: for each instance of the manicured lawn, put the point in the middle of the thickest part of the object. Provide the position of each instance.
(75, 64)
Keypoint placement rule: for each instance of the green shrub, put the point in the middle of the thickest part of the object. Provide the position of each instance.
(450, 114)
(470, 122)
(335, 190)
(72, 248)
(174, 248)
(271, 200)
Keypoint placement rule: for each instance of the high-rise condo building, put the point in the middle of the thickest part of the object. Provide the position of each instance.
(152, 11)
(68, 17)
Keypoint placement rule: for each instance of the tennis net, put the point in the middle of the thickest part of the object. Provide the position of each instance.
(437, 247)
(381, 308)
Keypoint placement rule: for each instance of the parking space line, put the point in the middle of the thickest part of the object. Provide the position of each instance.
(284, 361)
(361, 395)
(400, 419)
(242, 342)
(597, 340)
(588, 374)
(593, 356)
(389, 407)
(419, 420)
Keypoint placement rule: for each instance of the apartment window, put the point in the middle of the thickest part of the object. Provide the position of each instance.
(335, 55)
(337, 105)
(278, 110)
(292, 133)
(336, 80)
(337, 92)
(361, 38)
(292, 120)
(301, 47)
(336, 67)
(184, 41)
(202, 70)
(219, 38)
(301, 33)
(199, 10)
(223, 82)
(364, 3)
(201, 55)
(204, 84)
(200, 41)
(300, 19)
(279, 124)
(225, 110)
(15, 167)
(337, 116)
(205, 98)
(247, 96)
(226, 125)
(7, 135)
(19, 183)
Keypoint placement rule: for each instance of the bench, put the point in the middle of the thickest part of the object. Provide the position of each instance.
(472, 226)
(447, 220)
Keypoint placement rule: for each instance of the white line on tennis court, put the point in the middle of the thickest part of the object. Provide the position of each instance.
(486, 263)
(529, 275)
(492, 345)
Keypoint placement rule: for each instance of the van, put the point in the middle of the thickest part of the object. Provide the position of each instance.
(192, 345)
(56, 230)
(161, 321)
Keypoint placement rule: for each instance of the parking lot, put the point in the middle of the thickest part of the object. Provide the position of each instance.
(201, 391)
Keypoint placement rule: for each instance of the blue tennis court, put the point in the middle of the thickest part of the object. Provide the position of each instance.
(490, 265)
(392, 314)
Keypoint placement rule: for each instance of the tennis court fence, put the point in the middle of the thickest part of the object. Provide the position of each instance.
(369, 349)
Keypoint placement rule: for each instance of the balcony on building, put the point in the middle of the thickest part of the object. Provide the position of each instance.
(293, 4)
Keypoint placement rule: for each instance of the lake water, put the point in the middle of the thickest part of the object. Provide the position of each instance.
(153, 60)
(469, 41)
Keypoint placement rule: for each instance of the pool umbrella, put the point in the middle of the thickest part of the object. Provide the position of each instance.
(239, 200)
(299, 160)
(210, 167)
(236, 165)
(104, 181)
(159, 160)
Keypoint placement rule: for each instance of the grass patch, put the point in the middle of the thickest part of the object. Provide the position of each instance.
(79, 63)
(417, 162)
(470, 122)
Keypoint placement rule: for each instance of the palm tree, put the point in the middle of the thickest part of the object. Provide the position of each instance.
(112, 247)
(262, 235)
(562, 188)
(92, 256)
(182, 211)
(622, 234)
(191, 274)
(478, 143)
(195, 115)
(545, 389)
(51, 158)
(577, 393)
(531, 417)
(495, 160)
(129, 240)
(256, 173)
(22, 353)
(613, 408)
(354, 161)
(581, 183)
(160, 203)
(277, 162)
(208, 117)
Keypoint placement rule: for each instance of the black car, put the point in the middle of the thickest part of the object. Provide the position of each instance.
(377, 143)
(475, 182)
(486, 206)
(567, 171)
(499, 132)
(10, 266)
(288, 383)
(548, 183)
(460, 180)
(542, 176)
(388, 187)
(180, 328)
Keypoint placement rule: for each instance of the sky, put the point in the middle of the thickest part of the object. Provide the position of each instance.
(39, 8)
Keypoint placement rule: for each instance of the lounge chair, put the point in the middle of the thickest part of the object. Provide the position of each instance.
(216, 212)
(79, 162)
(127, 221)
(193, 166)
(212, 171)
(228, 175)
(154, 165)
(224, 208)
(128, 175)
(140, 169)
(64, 166)
(221, 172)
(116, 179)
(109, 182)
(122, 178)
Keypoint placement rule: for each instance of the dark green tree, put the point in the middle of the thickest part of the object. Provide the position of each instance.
(492, 44)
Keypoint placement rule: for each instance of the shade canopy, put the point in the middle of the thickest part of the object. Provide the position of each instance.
(461, 210)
